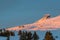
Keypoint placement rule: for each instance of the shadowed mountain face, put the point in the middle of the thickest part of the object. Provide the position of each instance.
(45, 23)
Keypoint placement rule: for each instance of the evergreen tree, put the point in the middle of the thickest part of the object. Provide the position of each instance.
(35, 36)
(23, 36)
(6, 33)
(20, 32)
(29, 36)
(0, 30)
(26, 35)
(12, 33)
(48, 36)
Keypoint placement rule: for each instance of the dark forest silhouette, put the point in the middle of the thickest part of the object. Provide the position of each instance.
(26, 35)
(6, 33)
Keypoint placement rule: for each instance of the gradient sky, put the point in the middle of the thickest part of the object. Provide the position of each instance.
(19, 12)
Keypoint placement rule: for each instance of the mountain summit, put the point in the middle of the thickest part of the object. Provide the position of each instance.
(45, 23)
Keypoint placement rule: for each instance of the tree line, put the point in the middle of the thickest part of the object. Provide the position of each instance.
(25, 35)
(28, 35)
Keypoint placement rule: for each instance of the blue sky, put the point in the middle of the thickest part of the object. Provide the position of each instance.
(19, 12)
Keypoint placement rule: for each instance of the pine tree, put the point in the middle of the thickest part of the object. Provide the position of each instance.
(20, 32)
(48, 36)
(26, 35)
(23, 36)
(12, 33)
(35, 36)
(6, 33)
(0, 30)
(29, 36)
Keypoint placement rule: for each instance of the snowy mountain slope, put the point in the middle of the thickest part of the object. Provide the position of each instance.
(45, 23)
